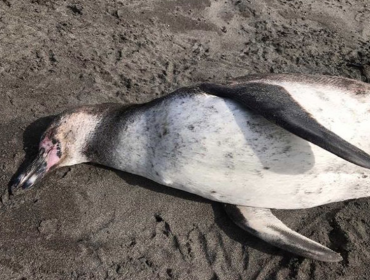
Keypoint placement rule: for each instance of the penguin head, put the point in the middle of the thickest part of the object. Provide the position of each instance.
(62, 144)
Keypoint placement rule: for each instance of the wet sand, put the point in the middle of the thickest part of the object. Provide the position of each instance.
(89, 222)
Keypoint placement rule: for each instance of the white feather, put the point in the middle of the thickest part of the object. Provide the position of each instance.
(212, 147)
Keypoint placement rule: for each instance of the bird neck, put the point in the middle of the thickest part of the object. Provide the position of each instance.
(123, 141)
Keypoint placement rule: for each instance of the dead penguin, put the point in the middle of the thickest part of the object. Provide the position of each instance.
(257, 143)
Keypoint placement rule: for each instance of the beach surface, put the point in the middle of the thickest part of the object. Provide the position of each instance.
(89, 222)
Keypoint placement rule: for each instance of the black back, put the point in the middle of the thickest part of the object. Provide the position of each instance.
(276, 105)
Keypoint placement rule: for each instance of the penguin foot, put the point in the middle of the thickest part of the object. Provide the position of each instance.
(263, 224)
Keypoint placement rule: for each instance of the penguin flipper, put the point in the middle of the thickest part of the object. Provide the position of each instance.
(275, 104)
(263, 224)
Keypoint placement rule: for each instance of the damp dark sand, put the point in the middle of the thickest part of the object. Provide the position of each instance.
(87, 222)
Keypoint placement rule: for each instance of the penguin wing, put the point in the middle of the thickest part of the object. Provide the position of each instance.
(276, 105)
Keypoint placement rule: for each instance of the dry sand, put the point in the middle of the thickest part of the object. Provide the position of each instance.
(87, 222)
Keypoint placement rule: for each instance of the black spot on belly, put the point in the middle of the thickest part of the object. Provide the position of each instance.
(229, 155)
(191, 127)
(266, 167)
(287, 149)
(230, 165)
(213, 192)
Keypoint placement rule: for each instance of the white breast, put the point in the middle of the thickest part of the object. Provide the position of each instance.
(212, 147)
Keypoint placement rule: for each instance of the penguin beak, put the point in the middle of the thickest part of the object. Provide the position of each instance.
(33, 172)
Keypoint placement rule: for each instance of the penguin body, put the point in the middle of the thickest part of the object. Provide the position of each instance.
(258, 143)
(213, 147)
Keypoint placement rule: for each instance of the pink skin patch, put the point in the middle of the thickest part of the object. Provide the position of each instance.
(51, 152)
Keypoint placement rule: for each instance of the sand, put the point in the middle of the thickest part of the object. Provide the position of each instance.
(88, 222)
